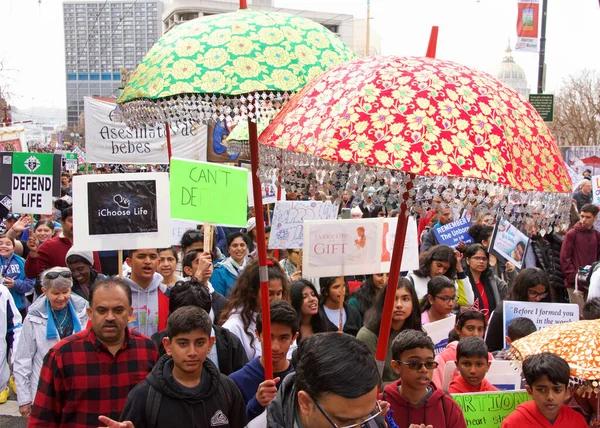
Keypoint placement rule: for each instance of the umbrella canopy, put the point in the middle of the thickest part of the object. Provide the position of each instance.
(204, 69)
(576, 342)
(421, 116)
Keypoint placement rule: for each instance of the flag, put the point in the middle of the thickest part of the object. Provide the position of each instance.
(527, 25)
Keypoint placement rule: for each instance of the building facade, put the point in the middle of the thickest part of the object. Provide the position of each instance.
(513, 74)
(103, 38)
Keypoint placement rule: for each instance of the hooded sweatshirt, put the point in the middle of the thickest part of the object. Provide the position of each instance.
(216, 401)
(437, 409)
(224, 276)
(281, 412)
(148, 315)
(34, 344)
(528, 415)
(460, 386)
(448, 354)
(14, 267)
(249, 378)
(581, 247)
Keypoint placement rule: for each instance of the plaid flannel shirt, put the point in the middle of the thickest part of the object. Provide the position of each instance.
(81, 379)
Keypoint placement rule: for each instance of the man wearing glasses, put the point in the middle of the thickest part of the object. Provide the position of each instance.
(334, 386)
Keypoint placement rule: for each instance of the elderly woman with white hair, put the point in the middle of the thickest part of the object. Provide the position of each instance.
(54, 316)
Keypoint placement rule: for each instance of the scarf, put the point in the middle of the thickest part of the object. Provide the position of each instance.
(51, 330)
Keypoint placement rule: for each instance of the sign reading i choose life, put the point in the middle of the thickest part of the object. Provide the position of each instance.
(32, 183)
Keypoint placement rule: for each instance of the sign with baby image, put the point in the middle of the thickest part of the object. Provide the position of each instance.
(509, 243)
(121, 211)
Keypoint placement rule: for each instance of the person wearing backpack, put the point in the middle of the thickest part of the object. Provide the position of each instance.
(185, 388)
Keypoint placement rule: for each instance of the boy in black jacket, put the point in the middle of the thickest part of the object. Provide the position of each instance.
(185, 389)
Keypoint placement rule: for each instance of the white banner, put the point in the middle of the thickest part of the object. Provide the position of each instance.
(107, 141)
(410, 256)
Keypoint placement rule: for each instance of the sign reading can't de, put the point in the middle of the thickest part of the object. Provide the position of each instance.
(32, 183)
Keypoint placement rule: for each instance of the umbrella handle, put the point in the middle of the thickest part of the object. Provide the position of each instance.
(243, 4)
(431, 48)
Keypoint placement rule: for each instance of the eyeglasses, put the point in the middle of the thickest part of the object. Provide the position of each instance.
(54, 275)
(535, 294)
(416, 365)
(480, 259)
(363, 424)
(446, 299)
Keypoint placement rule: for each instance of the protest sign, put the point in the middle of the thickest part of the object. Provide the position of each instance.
(108, 141)
(6, 172)
(179, 227)
(410, 257)
(269, 188)
(509, 243)
(208, 192)
(595, 189)
(121, 211)
(5, 205)
(454, 233)
(439, 330)
(289, 216)
(71, 161)
(489, 409)
(32, 175)
(542, 314)
(12, 139)
(81, 157)
(340, 248)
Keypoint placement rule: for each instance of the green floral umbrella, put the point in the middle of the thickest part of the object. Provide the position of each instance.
(239, 63)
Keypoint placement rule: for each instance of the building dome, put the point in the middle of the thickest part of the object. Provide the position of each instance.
(513, 74)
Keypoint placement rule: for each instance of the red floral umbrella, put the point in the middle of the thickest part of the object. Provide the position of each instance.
(424, 118)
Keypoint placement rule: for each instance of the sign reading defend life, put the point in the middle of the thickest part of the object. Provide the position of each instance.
(208, 192)
(32, 183)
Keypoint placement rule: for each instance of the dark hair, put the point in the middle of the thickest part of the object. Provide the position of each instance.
(68, 212)
(590, 208)
(434, 287)
(188, 260)
(324, 359)
(408, 340)
(187, 319)
(232, 236)
(4, 235)
(190, 237)
(172, 250)
(471, 347)
(591, 309)
(374, 315)
(520, 327)
(130, 253)
(485, 278)
(110, 283)
(480, 232)
(47, 223)
(528, 278)
(438, 253)
(244, 296)
(317, 323)
(326, 283)
(546, 364)
(366, 295)
(281, 313)
(463, 317)
(189, 293)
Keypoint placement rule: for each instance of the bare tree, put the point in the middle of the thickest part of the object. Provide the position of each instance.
(577, 111)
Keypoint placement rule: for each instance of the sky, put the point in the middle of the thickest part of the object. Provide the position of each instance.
(472, 32)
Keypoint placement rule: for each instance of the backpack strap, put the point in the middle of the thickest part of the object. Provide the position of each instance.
(153, 400)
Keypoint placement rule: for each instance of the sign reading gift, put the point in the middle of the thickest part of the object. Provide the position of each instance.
(209, 192)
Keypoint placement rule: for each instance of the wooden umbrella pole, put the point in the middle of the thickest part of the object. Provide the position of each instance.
(168, 135)
(390, 292)
(208, 233)
(262, 252)
(120, 261)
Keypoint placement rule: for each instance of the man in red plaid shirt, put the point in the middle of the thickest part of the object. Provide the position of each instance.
(91, 373)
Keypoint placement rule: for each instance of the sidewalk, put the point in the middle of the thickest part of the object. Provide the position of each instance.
(10, 417)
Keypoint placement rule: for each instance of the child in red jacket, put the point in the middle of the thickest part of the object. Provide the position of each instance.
(413, 398)
(473, 364)
(547, 377)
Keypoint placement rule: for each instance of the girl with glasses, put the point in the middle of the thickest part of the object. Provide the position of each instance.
(439, 301)
(531, 285)
(488, 288)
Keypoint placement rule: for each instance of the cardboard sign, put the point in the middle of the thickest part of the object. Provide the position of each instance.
(107, 141)
(410, 257)
(509, 243)
(179, 227)
(6, 171)
(340, 248)
(454, 233)
(71, 161)
(542, 314)
(287, 223)
(207, 192)
(489, 409)
(121, 211)
(81, 157)
(32, 175)
(595, 189)
(439, 330)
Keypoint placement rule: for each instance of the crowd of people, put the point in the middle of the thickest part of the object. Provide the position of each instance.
(177, 340)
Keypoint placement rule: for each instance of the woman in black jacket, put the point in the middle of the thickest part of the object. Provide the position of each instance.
(332, 290)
